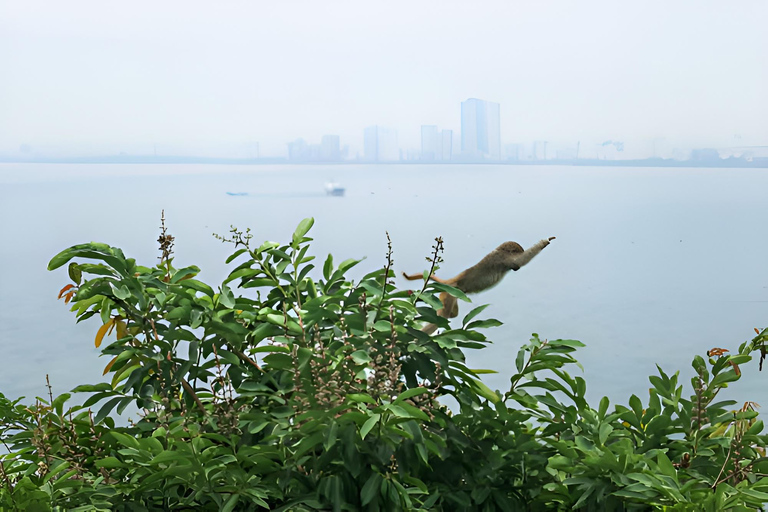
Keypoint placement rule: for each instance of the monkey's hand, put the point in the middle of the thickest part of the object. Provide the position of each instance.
(551, 238)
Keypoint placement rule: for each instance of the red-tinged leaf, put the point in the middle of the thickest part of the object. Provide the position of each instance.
(103, 330)
(122, 329)
(68, 297)
(109, 365)
(64, 290)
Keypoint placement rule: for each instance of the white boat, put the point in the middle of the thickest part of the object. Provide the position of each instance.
(334, 189)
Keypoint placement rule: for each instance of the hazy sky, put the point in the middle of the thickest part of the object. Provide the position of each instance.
(197, 77)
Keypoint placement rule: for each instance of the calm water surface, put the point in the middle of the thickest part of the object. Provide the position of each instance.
(649, 266)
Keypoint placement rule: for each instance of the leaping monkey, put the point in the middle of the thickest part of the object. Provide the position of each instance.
(486, 274)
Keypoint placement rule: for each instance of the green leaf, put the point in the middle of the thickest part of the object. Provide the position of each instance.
(304, 227)
(121, 293)
(566, 343)
(408, 393)
(197, 286)
(167, 457)
(721, 379)
(58, 468)
(371, 489)
(369, 424)
(603, 407)
(58, 402)
(520, 360)
(91, 250)
(125, 439)
(75, 274)
(472, 314)
(382, 326)
(484, 324)
(92, 388)
(106, 409)
(450, 290)
(328, 267)
(109, 462)
(605, 431)
(484, 391)
(235, 255)
(666, 467)
(226, 298)
(406, 410)
(228, 357)
(229, 506)
(183, 273)
(360, 357)
(361, 397)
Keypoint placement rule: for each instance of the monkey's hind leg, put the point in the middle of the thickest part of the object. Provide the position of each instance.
(450, 310)
(450, 306)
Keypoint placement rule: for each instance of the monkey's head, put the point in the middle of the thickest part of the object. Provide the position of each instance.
(509, 251)
(510, 248)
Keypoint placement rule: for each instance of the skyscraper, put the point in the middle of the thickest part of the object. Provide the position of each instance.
(298, 150)
(436, 145)
(330, 150)
(480, 130)
(430, 143)
(380, 144)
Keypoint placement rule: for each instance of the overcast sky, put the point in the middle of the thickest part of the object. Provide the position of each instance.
(188, 76)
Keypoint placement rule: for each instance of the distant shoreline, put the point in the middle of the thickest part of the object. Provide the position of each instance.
(150, 159)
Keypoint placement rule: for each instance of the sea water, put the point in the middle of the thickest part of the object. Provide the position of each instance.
(650, 265)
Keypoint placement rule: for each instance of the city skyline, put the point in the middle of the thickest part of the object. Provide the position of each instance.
(88, 78)
(477, 141)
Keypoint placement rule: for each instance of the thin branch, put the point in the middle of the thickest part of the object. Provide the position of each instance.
(387, 268)
(725, 463)
(192, 393)
(435, 259)
(247, 359)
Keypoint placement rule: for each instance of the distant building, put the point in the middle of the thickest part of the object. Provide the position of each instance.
(380, 144)
(480, 130)
(412, 155)
(430, 142)
(705, 155)
(330, 149)
(539, 151)
(746, 152)
(514, 152)
(298, 151)
(436, 145)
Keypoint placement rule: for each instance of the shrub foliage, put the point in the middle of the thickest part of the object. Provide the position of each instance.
(285, 390)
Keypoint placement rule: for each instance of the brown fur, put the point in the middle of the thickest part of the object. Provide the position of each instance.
(484, 275)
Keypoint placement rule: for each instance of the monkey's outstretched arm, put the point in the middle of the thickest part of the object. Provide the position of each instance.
(527, 255)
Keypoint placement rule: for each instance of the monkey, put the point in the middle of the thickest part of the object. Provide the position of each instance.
(482, 276)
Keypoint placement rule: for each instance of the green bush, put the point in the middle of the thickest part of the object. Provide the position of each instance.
(304, 394)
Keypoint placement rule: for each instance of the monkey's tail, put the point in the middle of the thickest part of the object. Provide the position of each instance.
(414, 277)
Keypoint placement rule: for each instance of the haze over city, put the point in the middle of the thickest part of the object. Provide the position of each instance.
(245, 79)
